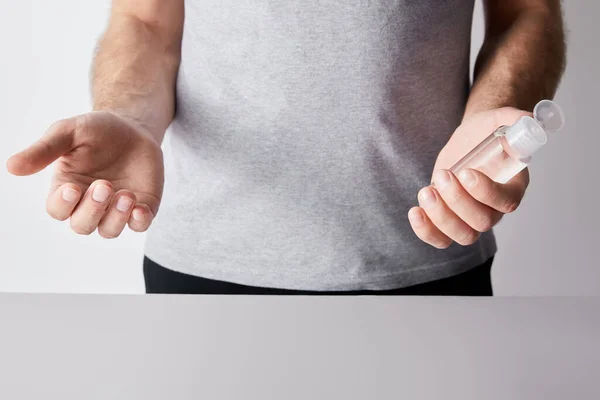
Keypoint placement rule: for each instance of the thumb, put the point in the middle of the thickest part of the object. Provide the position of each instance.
(57, 141)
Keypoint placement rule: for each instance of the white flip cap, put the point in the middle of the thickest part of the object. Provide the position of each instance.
(528, 134)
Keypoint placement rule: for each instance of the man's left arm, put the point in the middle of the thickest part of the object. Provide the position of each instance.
(520, 63)
(523, 55)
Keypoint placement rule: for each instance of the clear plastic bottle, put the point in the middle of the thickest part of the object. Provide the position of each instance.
(508, 150)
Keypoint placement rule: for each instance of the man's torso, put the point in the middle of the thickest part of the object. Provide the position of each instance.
(304, 130)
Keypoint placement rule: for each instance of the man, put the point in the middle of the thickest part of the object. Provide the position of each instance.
(300, 135)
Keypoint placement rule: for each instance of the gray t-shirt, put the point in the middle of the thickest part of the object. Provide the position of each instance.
(304, 130)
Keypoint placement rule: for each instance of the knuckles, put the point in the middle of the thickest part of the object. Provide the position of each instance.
(467, 238)
(511, 207)
(443, 245)
(428, 236)
(484, 223)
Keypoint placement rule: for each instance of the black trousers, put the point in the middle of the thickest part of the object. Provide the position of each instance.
(475, 282)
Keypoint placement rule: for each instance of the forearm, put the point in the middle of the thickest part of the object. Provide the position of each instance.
(134, 73)
(521, 62)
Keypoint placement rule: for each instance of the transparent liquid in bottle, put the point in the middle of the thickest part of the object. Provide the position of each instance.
(508, 150)
(494, 158)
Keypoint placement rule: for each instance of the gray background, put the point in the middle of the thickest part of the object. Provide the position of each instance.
(189, 347)
(546, 248)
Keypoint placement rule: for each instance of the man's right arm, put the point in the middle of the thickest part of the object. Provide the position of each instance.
(135, 68)
(109, 169)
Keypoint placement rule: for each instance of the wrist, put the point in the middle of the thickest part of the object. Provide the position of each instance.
(489, 96)
(132, 118)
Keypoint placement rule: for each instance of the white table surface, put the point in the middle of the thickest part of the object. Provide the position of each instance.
(192, 347)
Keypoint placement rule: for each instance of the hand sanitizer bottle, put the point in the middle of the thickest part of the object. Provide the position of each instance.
(508, 150)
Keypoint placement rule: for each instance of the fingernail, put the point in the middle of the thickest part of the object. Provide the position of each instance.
(415, 217)
(124, 203)
(70, 195)
(467, 179)
(101, 193)
(137, 215)
(427, 197)
(441, 179)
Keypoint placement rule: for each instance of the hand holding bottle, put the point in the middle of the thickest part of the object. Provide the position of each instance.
(458, 208)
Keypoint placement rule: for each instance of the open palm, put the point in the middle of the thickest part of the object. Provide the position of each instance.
(108, 172)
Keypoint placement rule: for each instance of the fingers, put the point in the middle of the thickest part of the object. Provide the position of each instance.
(445, 219)
(460, 208)
(91, 208)
(99, 208)
(477, 215)
(141, 218)
(117, 214)
(504, 198)
(62, 201)
(57, 141)
(426, 230)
